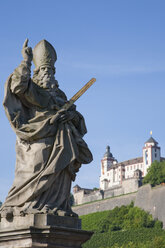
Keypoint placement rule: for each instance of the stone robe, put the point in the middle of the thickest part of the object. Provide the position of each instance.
(47, 155)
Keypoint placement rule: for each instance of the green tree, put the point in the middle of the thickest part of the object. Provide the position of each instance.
(156, 173)
(95, 188)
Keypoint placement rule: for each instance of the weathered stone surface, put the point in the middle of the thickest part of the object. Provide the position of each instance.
(42, 230)
(39, 220)
(152, 200)
(143, 197)
(35, 237)
(50, 148)
(49, 152)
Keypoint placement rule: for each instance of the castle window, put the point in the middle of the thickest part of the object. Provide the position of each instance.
(155, 150)
(155, 155)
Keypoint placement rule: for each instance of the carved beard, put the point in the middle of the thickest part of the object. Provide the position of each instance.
(45, 80)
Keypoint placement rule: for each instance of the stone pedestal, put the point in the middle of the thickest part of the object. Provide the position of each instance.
(42, 230)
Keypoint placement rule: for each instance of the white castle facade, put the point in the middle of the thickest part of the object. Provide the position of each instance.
(120, 178)
(113, 173)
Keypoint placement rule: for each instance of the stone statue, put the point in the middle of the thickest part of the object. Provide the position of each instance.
(49, 146)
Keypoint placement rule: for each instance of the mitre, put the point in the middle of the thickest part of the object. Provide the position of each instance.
(44, 54)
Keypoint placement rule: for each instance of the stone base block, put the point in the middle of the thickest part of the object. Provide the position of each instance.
(40, 220)
(42, 230)
(50, 237)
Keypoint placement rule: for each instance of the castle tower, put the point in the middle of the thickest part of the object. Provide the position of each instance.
(106, 163)
(151, 152)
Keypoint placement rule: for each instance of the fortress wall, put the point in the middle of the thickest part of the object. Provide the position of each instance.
(78, 197)
(118, 190)
(130, 185)
(147, 198)
(103, 205)
(152, 200)
(92, 197)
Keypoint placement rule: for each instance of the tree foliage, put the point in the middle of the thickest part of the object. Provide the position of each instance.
(120, 218)
(156, 173)
(127, 217)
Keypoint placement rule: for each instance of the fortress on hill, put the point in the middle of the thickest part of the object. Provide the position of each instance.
(120, 178)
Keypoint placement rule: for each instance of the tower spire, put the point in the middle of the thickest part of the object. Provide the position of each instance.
(107, 153)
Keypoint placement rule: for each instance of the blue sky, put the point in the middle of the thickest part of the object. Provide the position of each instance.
(121, 43)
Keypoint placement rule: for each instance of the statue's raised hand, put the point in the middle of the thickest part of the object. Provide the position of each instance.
(27, 52)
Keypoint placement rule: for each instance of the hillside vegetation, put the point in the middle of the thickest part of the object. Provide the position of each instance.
(155, 173)
(124, 227)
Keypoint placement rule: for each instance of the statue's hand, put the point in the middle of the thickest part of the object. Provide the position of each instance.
(62, 116)
(27, 52)
(58, 116)
(67, 116)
